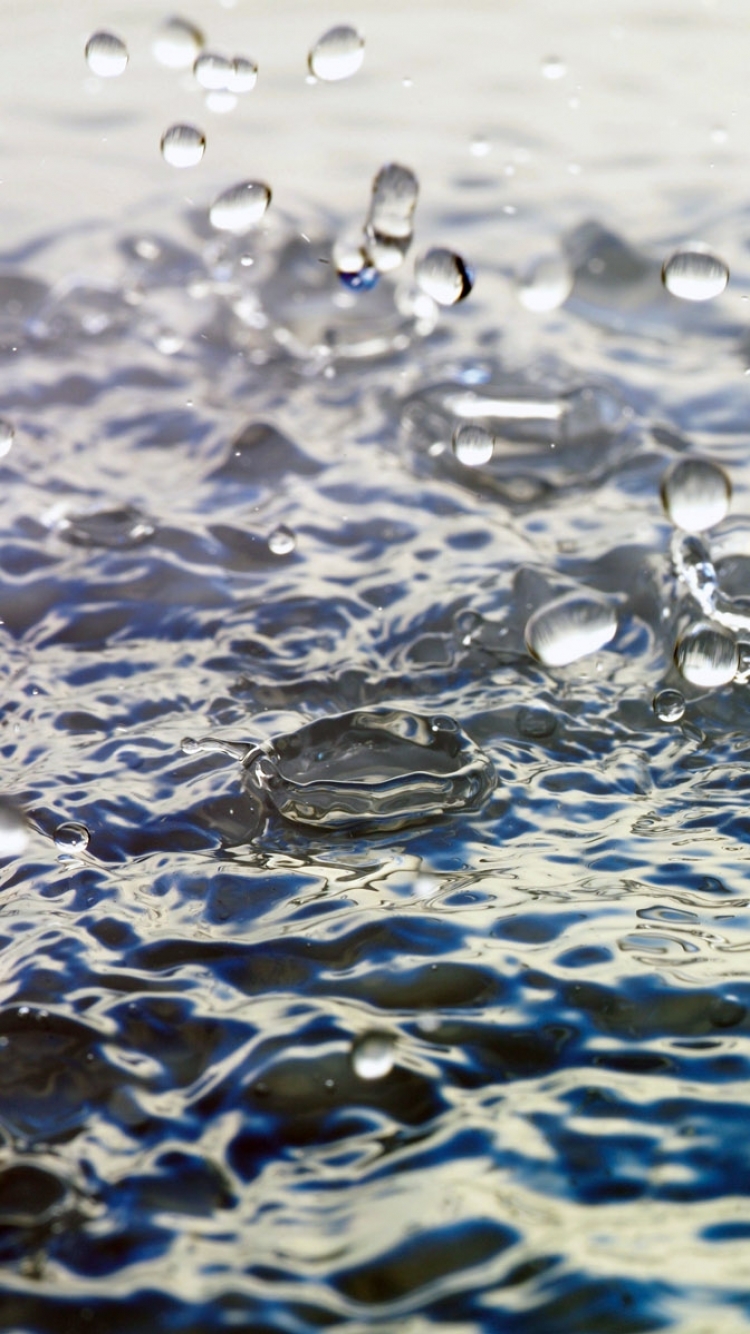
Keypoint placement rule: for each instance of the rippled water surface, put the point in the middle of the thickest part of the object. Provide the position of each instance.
(422, 1001)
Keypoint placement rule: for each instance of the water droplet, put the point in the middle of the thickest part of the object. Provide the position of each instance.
(241, 207)
(337, 54)
(221, 101)
(116, 529)
(535, 722)
(282, 541)
(183, 145)
(546, 285)
(213, 71)
(106, 55)
(479, 146)
(569, 628)
(14, 834)
(707, 656)
(394, 197)
(553, 68)
(373, 1056)
(444, 276)
(71, 837)
(361, 281)
(7, 436)
(472, 445)
(387, 253)
(696, 494)
(243, 75)
(694, 274)
(177, 44)
(669, 706)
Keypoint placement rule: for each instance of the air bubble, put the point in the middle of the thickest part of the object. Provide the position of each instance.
(569, 628)
(696, 494)
(373, 1056)
(472, 445)
(444, 276)
(213, 72)
(183, 145)
(707, 656)
(7, 436)
(669, 706)
(71, 837)
(177, 44)
(695, 274)
(282, 541)
(14, 834)
(240, 208)
(546, 285)
(337, 55)
(106, 55)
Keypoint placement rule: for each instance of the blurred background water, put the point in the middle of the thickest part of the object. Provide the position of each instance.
(482, 1071)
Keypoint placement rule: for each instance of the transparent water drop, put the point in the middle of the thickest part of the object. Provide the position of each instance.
(106, 55)
(14, 833)
(373, 1056)
(696, 494)
(177, 44)
(480, 146)
(395, 190)
(362, 281)
(243, 75)
(536, 721)
(213, 71)
(71, 837)
(546, 285)
(221, 101)
(553, 68)
(569, 628)
(282, 541)
(694, 274)
(337, 54)
(183, 145)
(473, 445)
(241, 207)
(7, 436)
(386, 253)
(444, 276)
(707, 655)
(669, 705)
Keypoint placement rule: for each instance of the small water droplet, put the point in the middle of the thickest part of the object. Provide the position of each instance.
(472, 445)
(221, 101)
(241, 207)
(696, 494)
(535, 722)
(177, 44)
(553, 68)
(14, 834)
(106, 55)
(243, 75)
(480, 146)
(71, 837)
(183, 145)
(337, 54)
(213, 71)
(707, 655)
(394, 198)
(362, 281)
(282, 541)
(444, 276)
(7, 436)
(694, 274)
(669, 705)
(546, 285)
(373, 1056)
(569, 628)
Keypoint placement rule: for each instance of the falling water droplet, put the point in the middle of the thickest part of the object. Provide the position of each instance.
(243, 75)
(707, 655)
(241, 207)
(71, 837)
(472, 445)
(7, 436)
(546, 285)
(14, 834)
(106, 55)
(696, 494)
(569, 628)
(212, 71)
(669, 705)
(553, 68)
(694, 274)
(337, 54)
(183, 145)
(444, 276)
(282, 541)
(394, 198)
(177, 44)
(373, 1055)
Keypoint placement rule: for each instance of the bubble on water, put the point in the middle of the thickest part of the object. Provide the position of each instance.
(569, 628)
(696, 494)
(7, 436)
(282, 541)
(243, 75)
(71, 837)
(14, 833)
(183, 145)
(707, 655)
(240, 208)
(546, 285)
(694, 274)
(444, 276)
(106, 55)
(337, 54)
(553, 68)
(395, 190)
(373, 1055)
(213, 71)
(669, 705)
(177, 44)
(472, 445)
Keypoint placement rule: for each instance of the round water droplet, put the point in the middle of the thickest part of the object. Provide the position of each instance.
(696, 494)
(221, 101)
(241, 207)
(694, 274)
(14, 834)
(373, 1056)
(546, 285)
(106, 55)
(707, 655)
(553, 68)
(472, 445)
(282, 541)
(570, 628)
(177, 44)
(213, 71)
(669, 706)
(71, 837)
(7, 436)
(337, 55)
(444, 276)
(243, 75)
(183, 145)
(536, 722)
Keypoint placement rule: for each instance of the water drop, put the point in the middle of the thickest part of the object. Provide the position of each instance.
(183, 145)
(177, 44)
(337, 54)
(394, 198)
(669, 706)
(106, 55)
(282, 541)
(694, 274)
(472, 445)
(373, 1055)
(361, 281)
(387, 253)
(241, 207)
(707, 656)
(479, 146)
(14, 834)
(696, 494)
(221, 101)
(553, 68)
(212, 71)
(71, 837)
(444, 276)
(243, 75)
(546, 285)
(569, 628)
(7, 436)
(536, 722)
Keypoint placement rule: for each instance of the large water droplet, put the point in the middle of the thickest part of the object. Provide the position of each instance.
(183, 145)
(337, 54)
(546, 285)
(243, 75)
(7, 436)
(213, 71)
(14, 834)
(373, 1055)
(694, 274)
(696, 494)
(394, 198)
(241, 207)
(707, 656)
(444, 276)
(473, 445)
(71, 837)
(106, 55)
(282, 541)
(570, 628)
(669, 705)
(177, 44)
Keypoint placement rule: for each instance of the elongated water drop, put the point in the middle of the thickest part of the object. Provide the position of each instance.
(569, 628)
(240, 208)
(337, 54)
(444, 276)
(373, 1056)
(183, 145)
(106, 55)
(695, 274)
(696, 494)
(394, 198)
(707, 655)
(472, 445)
(177, 44)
